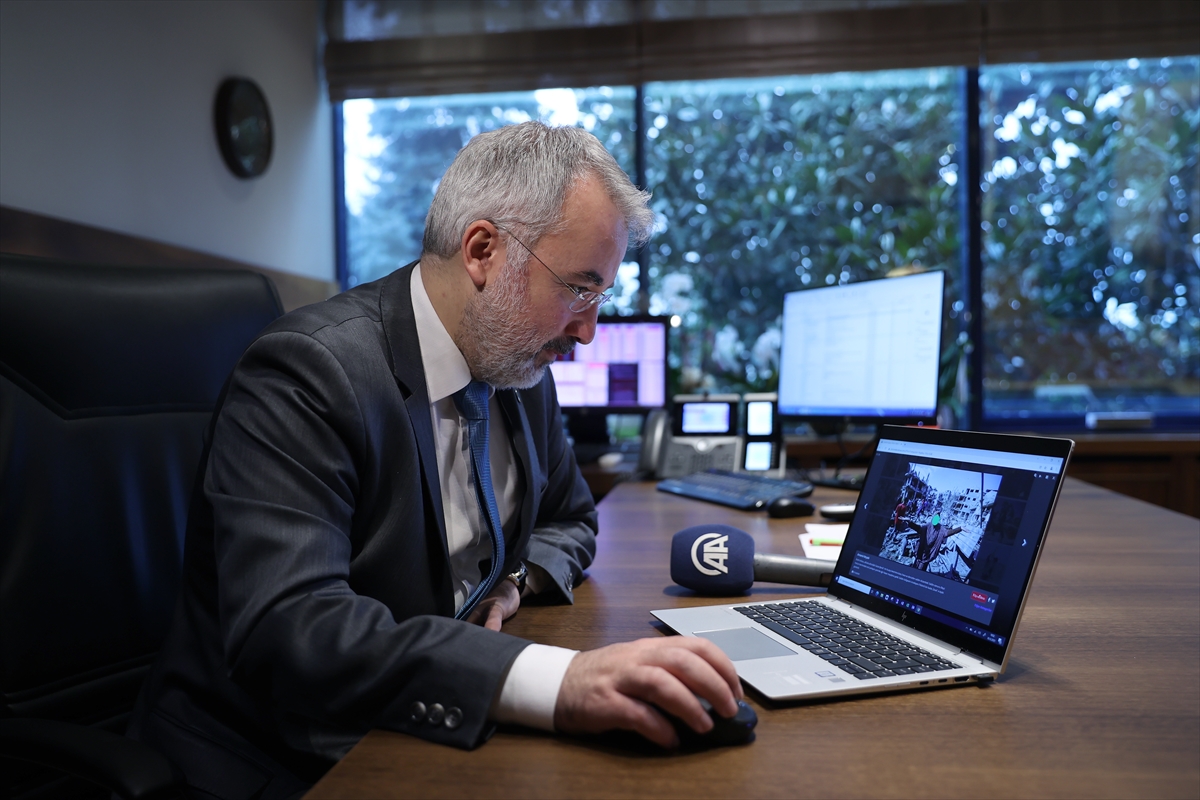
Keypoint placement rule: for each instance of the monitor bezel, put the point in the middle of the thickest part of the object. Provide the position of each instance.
(832, 423)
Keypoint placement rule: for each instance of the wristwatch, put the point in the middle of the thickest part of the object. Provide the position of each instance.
(519, 577)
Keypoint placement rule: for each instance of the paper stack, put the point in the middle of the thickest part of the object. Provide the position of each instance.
(823, 541)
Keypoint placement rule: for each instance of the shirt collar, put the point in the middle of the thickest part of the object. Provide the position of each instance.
(446, 370)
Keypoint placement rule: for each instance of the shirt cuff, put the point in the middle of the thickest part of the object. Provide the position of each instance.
(537, 580)
(530, 691)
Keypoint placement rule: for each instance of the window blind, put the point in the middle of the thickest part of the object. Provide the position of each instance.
(634, 41)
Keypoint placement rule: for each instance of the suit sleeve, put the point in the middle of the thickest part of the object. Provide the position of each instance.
(563, 541)
(287, 456)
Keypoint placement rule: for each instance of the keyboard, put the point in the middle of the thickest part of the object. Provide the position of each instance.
(734, 489)
(852, 646)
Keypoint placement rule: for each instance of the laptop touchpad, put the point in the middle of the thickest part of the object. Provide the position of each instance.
(744, 644)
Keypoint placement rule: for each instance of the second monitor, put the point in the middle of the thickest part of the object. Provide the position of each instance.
(623, 370)
(866, 351)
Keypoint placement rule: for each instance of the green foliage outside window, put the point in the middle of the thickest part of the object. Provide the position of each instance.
(766, 186)
(1091, 214)
(1091, 220)
(396, 151)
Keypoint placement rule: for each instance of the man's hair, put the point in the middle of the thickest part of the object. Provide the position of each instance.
(518, 177)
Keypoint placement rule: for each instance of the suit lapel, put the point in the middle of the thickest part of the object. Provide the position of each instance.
(400, 328)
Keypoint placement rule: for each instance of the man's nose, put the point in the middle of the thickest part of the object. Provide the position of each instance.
(582, 327)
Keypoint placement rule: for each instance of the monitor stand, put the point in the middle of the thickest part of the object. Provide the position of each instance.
(835, 426)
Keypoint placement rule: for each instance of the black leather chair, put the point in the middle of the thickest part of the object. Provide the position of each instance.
(108, 378)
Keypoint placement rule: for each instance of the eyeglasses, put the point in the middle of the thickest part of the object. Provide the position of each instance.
(584, 299)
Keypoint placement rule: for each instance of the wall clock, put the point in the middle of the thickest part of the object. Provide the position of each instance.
(244, 129)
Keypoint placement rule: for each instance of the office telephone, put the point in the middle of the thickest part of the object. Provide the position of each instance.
(703, 432)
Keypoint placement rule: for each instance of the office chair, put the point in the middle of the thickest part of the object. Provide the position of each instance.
(108, 378)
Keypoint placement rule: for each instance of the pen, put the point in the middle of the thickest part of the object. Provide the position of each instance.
(829, 542)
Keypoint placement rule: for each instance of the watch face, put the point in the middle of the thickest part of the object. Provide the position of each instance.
(244, 129)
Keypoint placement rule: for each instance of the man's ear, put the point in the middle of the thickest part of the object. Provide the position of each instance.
(482, 251)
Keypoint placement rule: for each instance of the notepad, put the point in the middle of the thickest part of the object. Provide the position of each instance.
(823, 541)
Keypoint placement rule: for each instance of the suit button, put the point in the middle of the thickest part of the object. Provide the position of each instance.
(436, 714)
(416, 711)
(453, 717)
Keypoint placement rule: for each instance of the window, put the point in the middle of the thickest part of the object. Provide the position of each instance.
(396, 150)
(1091, 239)
(1090, 244)
(765, 186)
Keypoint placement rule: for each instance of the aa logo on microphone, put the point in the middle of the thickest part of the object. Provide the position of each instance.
(714, 553)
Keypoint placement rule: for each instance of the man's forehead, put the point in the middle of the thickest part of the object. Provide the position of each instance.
(594, 260)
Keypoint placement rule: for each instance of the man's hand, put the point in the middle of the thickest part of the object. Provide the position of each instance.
(500, 604)
(613, 687)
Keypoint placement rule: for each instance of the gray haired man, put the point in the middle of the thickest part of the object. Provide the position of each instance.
(386, 475)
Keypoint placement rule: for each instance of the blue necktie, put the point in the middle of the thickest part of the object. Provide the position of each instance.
(472, 402)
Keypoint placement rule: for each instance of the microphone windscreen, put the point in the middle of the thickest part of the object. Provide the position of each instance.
(713, 559)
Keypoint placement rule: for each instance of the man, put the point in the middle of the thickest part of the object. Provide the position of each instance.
(929, 544)
(338, 526)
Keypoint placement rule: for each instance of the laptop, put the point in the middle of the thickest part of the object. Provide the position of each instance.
(931, 582)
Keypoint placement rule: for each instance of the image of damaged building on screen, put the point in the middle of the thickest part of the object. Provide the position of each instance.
(939, 518)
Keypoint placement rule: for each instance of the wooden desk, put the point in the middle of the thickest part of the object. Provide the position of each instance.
(1101, 697)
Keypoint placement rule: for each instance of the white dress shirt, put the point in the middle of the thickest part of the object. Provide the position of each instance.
(530, 690)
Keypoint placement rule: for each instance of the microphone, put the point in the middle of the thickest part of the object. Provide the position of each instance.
(720, 560)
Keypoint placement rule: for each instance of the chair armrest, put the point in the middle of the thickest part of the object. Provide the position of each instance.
(130, 769)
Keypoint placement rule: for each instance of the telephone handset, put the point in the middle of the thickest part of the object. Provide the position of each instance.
(655, 431)
(702, 432)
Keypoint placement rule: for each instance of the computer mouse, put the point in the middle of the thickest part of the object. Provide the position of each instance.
(788, 506)
(738, 729)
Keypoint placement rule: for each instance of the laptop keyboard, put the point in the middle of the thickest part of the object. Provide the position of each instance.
(852, 646)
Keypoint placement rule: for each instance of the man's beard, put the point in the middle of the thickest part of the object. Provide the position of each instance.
(498, 337)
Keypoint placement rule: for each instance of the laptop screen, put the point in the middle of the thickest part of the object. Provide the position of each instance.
(947, 532)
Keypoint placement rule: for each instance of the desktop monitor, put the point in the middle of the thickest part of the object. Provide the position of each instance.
(863, 352)
(623, 370)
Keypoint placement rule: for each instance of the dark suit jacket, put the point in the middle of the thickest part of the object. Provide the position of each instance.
(317, 600)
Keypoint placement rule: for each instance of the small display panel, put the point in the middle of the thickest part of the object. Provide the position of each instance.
(760, 418)
(759, 457)
(707, 418)
(623, 368)
(763, 440)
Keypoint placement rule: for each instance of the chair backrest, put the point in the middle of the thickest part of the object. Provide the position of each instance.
(108, 378)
